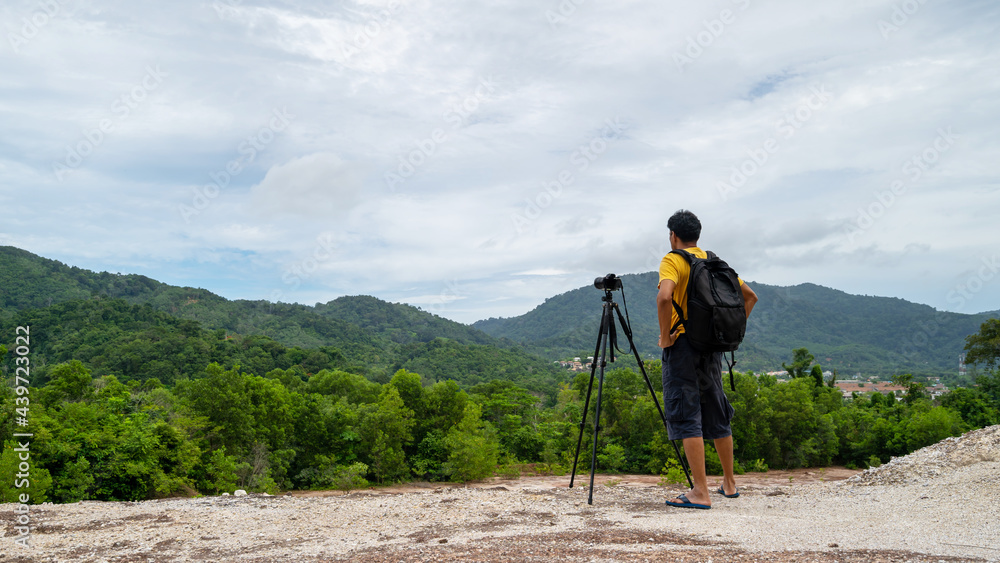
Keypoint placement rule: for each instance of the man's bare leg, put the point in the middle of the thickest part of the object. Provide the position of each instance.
(694, 450)
(724, 446)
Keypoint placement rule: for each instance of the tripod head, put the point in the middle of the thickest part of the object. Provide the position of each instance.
(608, 283)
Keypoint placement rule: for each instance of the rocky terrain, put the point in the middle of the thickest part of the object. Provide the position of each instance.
(937, 504)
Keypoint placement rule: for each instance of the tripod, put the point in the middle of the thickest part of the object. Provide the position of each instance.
(608, 335)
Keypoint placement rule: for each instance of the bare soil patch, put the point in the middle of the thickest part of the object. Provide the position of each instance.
(817, 515)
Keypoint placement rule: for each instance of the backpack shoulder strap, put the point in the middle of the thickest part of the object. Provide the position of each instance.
(684, 254)
(689, 258)
(680, 317)
(732, 383)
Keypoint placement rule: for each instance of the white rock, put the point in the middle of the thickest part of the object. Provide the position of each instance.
(240, 493)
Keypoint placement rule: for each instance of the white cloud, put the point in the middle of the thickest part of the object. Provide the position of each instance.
(316, 186)
(368, 89)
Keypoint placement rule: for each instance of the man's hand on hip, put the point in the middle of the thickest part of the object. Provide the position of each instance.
(670, 339)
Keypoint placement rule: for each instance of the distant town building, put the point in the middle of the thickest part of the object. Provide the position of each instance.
(886, 388)
(576, 365)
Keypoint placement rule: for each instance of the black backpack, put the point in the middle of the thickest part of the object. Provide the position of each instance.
(717, 318)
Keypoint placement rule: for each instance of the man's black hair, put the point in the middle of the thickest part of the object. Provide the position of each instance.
(685, 225)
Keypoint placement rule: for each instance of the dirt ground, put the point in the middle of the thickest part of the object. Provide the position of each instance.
(774, 477)
(532, 519)
(605, 545)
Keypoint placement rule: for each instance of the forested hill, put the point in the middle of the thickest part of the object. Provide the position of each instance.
(28, 281)
(402, 323)
(850, 333)
(361, 333)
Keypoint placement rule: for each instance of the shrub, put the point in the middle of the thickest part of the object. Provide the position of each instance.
(672, 473)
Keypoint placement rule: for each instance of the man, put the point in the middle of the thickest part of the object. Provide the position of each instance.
(694, 402)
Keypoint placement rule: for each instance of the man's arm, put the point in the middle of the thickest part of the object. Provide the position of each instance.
(664, 312)
(749, 298)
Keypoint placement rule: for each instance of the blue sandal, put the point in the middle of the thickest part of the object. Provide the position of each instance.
(688, 504)
(722, 492)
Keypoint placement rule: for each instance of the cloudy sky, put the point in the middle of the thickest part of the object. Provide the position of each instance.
(475, 158)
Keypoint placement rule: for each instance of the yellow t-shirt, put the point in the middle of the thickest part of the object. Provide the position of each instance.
(674, 267)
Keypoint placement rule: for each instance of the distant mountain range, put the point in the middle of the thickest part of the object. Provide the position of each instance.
(849, 333)
(371, 335)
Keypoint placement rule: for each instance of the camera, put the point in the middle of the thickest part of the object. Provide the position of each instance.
(609, 282)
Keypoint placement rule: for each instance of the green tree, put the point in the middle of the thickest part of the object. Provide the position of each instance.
(805, 436)
(990, 386)
(801, 360)
(241, 409)
(984, 346)
(216, 472)
(70, 381)
(930, 426)
(752, 435)
(384, 428)
(246, 415)
(355, 388)
(612, 458)
(817, 374)
(973, 405)
(513, 411)
(11, 487)
(411, 390)
(473, 449)
(914, 390)
(445, 405)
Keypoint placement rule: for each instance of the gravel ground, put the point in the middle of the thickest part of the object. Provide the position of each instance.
(900, 512)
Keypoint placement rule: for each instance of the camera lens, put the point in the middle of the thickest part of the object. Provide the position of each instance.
(609, 282)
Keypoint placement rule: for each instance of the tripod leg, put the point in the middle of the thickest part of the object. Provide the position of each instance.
(597, 412)
(586, 406)
(663, 417)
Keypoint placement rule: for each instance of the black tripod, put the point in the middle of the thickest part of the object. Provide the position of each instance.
(608, 334)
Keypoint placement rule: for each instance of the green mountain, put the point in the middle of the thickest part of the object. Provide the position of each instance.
(850, 333)
(79, 314)
(401, 323)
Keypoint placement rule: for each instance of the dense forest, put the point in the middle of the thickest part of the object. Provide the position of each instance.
(141, 390)
(111, 439)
